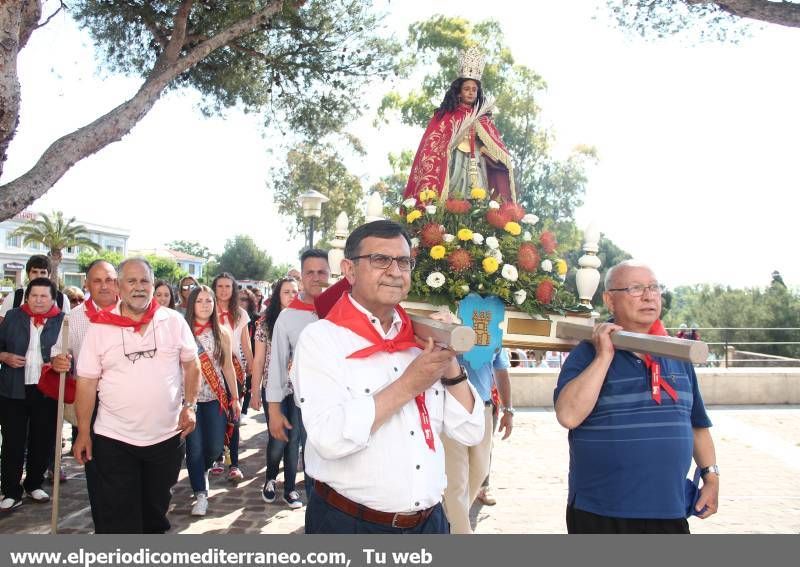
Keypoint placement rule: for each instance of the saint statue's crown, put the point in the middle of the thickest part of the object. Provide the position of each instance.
(470, 64)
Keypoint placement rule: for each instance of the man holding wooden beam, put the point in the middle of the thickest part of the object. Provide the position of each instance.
(635, 420)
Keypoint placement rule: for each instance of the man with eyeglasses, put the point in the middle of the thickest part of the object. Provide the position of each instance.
(635, 422)
(375, 404)
(145, 359)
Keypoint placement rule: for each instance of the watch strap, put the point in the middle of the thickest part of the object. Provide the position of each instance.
(456, 380)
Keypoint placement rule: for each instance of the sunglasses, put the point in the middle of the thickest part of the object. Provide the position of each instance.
(188, 287)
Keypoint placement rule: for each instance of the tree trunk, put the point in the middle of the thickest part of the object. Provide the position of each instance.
(18, 18)
(781, 13)
(111, 127)
(56, 255)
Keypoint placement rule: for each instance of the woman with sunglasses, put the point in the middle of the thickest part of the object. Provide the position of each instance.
(163, 293)
(283, 293)
(216, 409)
(185, 287)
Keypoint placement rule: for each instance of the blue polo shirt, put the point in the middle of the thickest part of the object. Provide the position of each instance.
(629, 458)
(483, 378)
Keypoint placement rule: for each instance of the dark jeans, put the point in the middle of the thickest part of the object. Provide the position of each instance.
(134, 484)
(277, 449)
(30, 422)
(581, 522)
(322, 518)
(204, 443)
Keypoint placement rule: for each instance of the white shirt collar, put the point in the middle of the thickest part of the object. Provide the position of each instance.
(394, 329)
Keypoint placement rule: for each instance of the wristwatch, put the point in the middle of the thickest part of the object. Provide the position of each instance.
(508, 409)
(457, 380)
(191, 406)
(709, 469)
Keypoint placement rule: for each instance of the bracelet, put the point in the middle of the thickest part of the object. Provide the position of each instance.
(456, 380)
(191, 406)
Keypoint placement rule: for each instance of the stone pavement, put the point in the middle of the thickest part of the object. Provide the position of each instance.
(758, 450)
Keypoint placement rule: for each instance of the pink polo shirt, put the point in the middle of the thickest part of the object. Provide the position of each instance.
(139, 401)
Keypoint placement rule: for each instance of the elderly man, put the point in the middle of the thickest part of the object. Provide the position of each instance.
(101, 281)
(375, 404)
(145, 359)
(635, 422)
(286, 432)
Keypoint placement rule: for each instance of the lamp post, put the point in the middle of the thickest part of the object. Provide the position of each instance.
(311, 201)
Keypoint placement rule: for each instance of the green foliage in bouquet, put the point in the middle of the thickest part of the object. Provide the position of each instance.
(474, 244)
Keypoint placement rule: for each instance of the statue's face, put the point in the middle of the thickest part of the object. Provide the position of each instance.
(469, 92)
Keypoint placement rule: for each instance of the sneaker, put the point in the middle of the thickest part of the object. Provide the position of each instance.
(293, 500)
(39, 496)
(8, 504)
(268, 492)
(201, 505)
(485, 497)
(235, 475)
(217, 468)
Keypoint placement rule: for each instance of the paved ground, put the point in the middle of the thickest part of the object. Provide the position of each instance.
(758, 450)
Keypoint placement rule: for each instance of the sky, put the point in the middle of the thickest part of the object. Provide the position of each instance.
(697, 143)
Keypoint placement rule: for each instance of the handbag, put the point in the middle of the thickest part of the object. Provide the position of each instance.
(48, 384)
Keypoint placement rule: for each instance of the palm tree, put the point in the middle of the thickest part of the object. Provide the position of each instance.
(56, 234)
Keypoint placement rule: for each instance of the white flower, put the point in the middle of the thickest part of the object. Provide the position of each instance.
(465, 288)
(435, 279)
(449, 238)
(530, 218)
(527, 236)
(414, 242)
(494, 205)
(493, 243)
(497, 255)
(430, 209)
(480, 287)
(547, 265)
(477, 238)
(409, 203)
(510, 272)
(519, 296)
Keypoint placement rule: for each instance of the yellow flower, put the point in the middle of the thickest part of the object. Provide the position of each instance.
(464, 234)
(513, 228)
(478, 193)
(413, 215)
(438, 252)
(490, 265)
(427, 194)
(561, 267)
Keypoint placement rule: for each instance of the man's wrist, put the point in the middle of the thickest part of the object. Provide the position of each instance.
(509, 409)
(189, 405)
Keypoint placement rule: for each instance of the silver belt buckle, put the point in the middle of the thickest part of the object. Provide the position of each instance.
(394, 518)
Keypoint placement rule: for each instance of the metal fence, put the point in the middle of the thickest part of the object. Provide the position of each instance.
(749, 346)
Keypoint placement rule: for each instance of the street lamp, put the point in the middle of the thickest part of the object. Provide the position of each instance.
(311, 201)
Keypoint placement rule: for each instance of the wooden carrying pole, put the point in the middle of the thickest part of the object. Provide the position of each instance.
(668, 347)
(460, 338)
(62, 379)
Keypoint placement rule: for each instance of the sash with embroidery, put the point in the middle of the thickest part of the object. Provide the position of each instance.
(217, 386)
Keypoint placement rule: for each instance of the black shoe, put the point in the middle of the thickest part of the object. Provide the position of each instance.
(268, 492)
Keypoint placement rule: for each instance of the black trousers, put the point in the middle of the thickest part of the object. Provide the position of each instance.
(133, 485)
(582, 522)
(30, 422)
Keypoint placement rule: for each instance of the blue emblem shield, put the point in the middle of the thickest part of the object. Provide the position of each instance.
(484, 315)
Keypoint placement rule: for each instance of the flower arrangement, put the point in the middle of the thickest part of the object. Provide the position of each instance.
(474, 244)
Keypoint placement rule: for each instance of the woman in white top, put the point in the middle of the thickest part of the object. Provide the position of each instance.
(236, 318)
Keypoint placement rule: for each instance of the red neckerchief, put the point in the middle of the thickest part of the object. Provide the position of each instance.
(345, 314)
(108, 318)
(39, 319)
(297, 303)
(656, 383)
(199, 329)
(91, 307)
(225, 317)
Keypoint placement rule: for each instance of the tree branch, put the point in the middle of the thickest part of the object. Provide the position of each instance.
(51, 16)
(782, 13)
(29, 18)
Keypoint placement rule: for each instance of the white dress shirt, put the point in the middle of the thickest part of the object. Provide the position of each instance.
(393, 469)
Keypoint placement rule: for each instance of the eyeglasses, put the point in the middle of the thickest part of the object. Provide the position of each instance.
(188, 287)
(134, 356)
(638, 289)
(382, 261)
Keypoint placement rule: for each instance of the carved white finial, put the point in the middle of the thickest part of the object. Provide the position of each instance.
(336, 253)
(374, 207)
(587, 278)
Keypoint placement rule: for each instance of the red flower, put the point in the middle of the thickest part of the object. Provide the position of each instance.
(460, 260)
(545, 292)
(512, 211)
(548, 241)
(496, 218)
(457, 206)
(431, 234)
(528, 257)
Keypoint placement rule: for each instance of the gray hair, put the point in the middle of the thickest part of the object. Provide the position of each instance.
(622, 266)
(146, 264)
